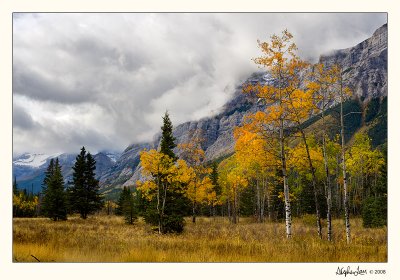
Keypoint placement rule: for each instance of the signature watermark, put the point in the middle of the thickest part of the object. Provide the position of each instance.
(348, 271)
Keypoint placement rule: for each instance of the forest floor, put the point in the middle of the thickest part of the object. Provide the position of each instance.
(103, 238)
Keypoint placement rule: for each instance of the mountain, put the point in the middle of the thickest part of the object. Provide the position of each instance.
(29, 168)
(365, 67)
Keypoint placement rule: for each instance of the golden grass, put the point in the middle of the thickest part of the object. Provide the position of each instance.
(108, 239)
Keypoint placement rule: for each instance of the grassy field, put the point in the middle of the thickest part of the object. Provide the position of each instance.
(108, 239)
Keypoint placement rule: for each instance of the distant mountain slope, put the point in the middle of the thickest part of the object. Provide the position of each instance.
(29, 169)
(365, 65)
(366, 72)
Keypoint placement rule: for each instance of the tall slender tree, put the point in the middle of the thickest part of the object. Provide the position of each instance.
(343, 92)
(54, 204)
(126, 206)
(84, 196)
(285, 68)
(164, 189)
(167, 144)
(15, 186)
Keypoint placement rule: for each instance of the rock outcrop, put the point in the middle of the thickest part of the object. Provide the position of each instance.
(364, 65)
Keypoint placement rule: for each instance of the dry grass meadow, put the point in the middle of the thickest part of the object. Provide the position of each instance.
(107, 239)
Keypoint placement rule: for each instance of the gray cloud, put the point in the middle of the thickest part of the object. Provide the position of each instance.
(105, 80)
(22, 119)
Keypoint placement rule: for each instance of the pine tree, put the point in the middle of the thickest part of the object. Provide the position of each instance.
(15, 195)
(15, 186)
(48, 175)
(77, 197)
(84, 195)
(54, 203)
(95, 200)
(167, 140)
(173, 217)
(167, 204)
(216, 186)
(126, 206)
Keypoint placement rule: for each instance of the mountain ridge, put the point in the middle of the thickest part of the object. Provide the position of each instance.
(365, 68)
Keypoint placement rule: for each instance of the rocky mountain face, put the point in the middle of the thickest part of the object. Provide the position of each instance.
(366, 71)
(365, 65)
(216, 131)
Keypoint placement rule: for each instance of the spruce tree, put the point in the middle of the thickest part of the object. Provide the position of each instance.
(216, 186)
(54, 203)
(48, 175)
(95, 200)
(168, 205)
(84, 197)
(15, 195)
(77, 197)
(167, 139)
(15, 186)
(126, 206)
(176, 203)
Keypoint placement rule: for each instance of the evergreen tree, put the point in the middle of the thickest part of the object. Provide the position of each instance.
(15, 195)
(214, 179)
(77, 197)
(95, 200)
(127, 206)
(176, 203)
(217, 187)
(84, 197)
(15, 186)
(167, 208)
(167, 140)
(54, 203)
(48, 175)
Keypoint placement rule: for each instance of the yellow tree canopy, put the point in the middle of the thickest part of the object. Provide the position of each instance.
(362, 158)
(158, 168)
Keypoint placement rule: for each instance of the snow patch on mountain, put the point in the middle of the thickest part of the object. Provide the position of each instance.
(113, 156)
(34, 160)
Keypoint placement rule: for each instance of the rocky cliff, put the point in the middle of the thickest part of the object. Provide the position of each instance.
(365, 65)
(217, 132)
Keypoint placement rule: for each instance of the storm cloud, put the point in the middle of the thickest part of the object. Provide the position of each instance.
(105, 80)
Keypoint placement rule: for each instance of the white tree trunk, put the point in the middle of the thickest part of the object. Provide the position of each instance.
(346, 199)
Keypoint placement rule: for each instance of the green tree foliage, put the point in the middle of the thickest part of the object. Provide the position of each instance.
(15, 186)
(217, 189)
(164, 190)
(84, 196)
(167, 139)
(54, 204)
(127, 205)
(374, 212)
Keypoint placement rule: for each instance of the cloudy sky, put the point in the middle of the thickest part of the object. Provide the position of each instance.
(105, 80)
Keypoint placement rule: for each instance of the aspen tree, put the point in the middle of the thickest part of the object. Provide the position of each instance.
(284, 68)
(200, 188)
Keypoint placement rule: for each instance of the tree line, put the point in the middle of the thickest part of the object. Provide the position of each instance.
(58, 199)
